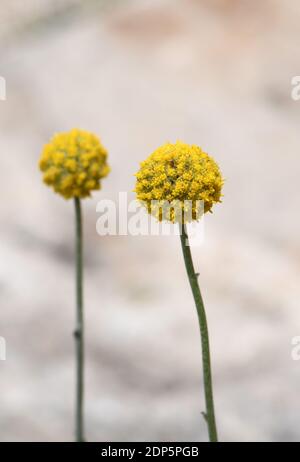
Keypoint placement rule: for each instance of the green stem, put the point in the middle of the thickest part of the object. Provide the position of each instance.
(193, 279)
(79, 332)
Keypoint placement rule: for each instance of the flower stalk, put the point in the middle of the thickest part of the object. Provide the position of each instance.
(209, 415)
(73, 164)
(79, 330)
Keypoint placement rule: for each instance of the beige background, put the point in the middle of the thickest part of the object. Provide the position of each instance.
(213, 72)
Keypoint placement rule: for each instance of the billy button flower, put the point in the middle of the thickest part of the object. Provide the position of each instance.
(73, 164)
(182, 174)
(170, 184)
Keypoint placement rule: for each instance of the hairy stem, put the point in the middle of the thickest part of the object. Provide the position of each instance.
(193, 279)
(79, 330)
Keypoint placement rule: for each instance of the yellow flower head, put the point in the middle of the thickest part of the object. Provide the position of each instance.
(174, 178)
(73, 163)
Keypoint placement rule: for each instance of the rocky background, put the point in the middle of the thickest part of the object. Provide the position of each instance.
(139, 73)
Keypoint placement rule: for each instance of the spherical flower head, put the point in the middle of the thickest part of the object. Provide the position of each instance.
(178, 183)
(73, 163)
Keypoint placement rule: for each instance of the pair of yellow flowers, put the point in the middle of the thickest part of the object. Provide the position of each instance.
(74, 163)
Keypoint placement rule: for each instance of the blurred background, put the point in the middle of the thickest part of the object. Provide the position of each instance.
(138, 73)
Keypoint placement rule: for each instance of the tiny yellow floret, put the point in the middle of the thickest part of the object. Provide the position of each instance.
(73, 163)
(175, 179)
